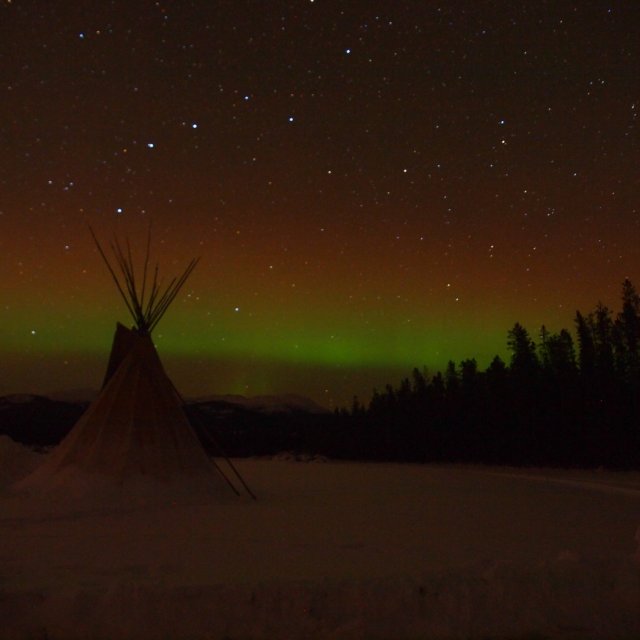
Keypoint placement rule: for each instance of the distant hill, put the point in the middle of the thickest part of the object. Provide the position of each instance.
(242, 423)
(288, 403)
(74, 395)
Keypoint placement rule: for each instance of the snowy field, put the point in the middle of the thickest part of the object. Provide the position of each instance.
(332, 550)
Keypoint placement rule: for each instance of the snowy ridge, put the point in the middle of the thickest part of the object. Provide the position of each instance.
(285, 403)
(19, 398)
(82, 395)
(266, 404)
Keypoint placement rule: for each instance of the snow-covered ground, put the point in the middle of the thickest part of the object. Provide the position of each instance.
(332, 550)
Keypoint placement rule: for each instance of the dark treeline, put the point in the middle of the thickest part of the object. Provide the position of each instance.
(558, 401)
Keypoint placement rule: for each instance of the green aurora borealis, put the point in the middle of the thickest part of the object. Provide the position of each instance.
(257, 339)
(247, 350)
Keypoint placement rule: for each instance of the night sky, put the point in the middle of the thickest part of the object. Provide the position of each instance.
(371, 186)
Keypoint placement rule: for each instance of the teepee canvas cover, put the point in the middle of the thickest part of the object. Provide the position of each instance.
(136, 425)
(136, 430)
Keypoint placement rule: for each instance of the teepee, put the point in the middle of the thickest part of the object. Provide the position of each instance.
(136, 432)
